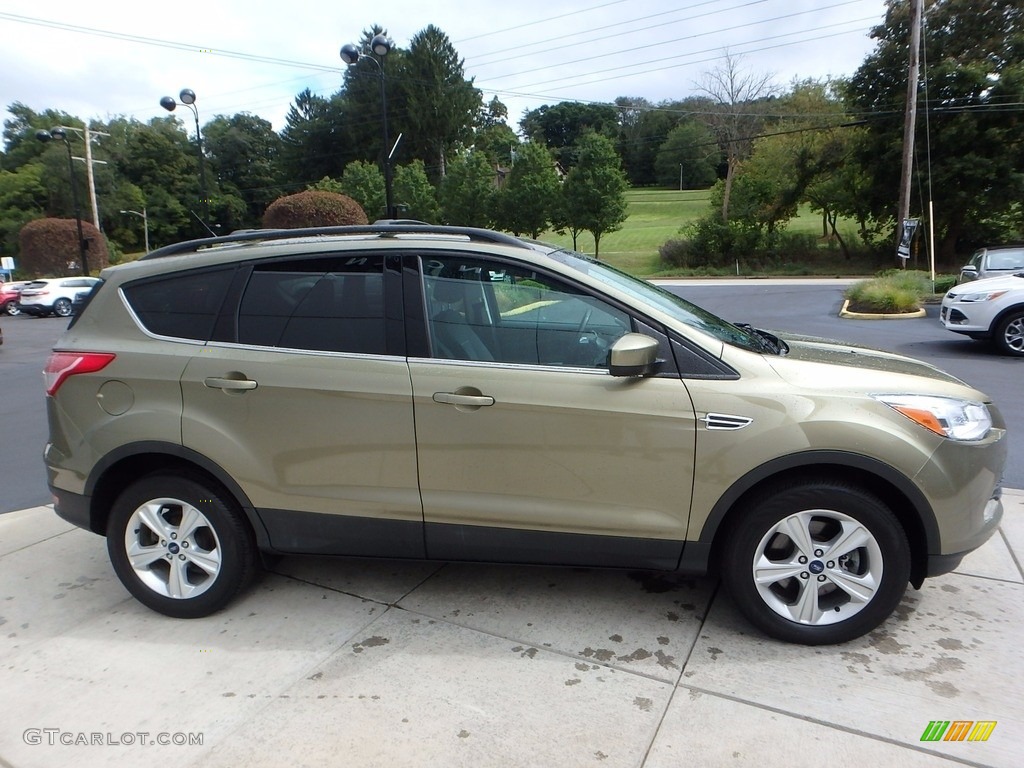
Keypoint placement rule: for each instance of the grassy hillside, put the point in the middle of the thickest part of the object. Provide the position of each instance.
(655, 216)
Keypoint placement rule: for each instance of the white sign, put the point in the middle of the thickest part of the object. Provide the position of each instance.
(7, 262)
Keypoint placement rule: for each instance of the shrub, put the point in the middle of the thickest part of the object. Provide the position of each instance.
(50, 247)
(892, 292)
(313, 208)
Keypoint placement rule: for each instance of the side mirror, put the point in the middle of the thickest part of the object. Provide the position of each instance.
(633, 355)
(968, 272)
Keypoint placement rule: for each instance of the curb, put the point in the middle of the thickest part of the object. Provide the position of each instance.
(844, 312)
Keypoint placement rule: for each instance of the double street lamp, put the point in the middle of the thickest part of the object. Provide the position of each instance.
(60, 134)
(380, 46)
(188, 98)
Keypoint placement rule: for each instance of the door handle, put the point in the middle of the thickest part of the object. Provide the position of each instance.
(230, 385)
(451, 398)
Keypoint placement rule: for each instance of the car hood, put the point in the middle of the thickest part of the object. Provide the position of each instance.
(1001, 283)
(861, 365)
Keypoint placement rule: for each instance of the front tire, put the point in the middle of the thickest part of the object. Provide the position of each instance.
(816, 563)
(11, 308)
(1009, 335)
(180, 545)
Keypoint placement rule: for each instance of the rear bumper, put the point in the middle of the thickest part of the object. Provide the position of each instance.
(73, 507)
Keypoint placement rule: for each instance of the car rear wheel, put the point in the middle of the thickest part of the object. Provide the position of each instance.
(62, 307)
(816, 562)
(1009, 335)
(180, 545)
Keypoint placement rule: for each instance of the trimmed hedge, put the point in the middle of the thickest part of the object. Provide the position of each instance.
(49, 247)
(313, 208)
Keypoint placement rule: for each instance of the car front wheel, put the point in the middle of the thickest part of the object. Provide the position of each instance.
(816, 562)
(11, 308)
(180, 545)
(1009, 335)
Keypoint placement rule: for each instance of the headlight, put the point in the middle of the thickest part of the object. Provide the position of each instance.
(945, 416)
(983, 296)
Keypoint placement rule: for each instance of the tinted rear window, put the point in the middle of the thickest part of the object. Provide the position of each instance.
(182, 306)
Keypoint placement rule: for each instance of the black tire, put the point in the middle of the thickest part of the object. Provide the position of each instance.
(166, 574)
(800, 601)
(62, 307)
(1009, 334)
(11, 308)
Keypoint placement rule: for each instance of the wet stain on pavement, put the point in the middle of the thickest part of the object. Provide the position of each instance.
(370, 642)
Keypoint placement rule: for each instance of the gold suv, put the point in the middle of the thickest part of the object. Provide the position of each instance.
(411, 391)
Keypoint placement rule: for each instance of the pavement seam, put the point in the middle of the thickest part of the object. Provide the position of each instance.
(1013, 554)
(835, 726)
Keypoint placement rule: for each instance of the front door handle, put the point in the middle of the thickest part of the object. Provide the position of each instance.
(451, 398)
(230, 385)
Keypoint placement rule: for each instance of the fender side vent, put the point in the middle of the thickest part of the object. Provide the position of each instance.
(722, 421)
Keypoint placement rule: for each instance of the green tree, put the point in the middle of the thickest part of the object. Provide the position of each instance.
(364, 183)
(20, 144)
(243, 152)
(528, 201)
(415, 196)
(440, 106)
(688, 158)
(314, 140)
(23, 197)
(643, 129)
(498, 143)
(594, 191)
(468, 190)
(975, 76)
(559, 126)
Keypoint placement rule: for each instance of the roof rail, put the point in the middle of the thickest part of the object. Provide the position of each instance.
(390, 228)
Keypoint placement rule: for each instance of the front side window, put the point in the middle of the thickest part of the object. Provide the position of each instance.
(333, 304)
(488, 311)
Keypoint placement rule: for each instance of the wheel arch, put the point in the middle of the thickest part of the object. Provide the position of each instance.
(998, 319)
(130, 462)
(899, 494)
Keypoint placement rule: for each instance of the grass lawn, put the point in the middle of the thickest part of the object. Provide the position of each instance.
(656, 215)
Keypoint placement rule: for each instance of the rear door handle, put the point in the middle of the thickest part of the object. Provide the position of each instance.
(230, 385)
(450, 398)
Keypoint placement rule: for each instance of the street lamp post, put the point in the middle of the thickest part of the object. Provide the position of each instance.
(188, 98)
(61, 135)
(145, 223)
(380, 46)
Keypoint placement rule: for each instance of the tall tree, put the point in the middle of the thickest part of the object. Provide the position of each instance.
(974, 74)
(415, 196)
(440, 105)
(595, 188)
(314, 142)
(736, 112)
(243, 151)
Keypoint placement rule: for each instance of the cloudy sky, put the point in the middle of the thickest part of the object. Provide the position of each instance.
(101, 59)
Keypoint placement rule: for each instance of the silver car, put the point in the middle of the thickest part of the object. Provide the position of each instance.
(993, 262)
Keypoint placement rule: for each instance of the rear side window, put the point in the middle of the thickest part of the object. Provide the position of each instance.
(331, 304)
(183, 306)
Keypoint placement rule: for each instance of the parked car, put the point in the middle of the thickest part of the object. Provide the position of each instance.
(9, 293)
(411, 391)
(994, 261)
(53, 296)
(990, 309)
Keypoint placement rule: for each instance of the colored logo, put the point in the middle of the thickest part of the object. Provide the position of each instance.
(958, 730)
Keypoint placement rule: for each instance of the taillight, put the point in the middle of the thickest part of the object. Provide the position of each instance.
(61, 365)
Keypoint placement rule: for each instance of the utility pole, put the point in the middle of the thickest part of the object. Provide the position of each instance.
(87, 137)
(909, 126)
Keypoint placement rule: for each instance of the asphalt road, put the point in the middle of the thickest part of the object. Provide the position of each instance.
(805, 307)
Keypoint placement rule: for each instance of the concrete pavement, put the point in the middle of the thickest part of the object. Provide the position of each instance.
(384, 663)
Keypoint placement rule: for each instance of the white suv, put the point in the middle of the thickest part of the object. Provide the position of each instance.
(54, 296)
(992, 308)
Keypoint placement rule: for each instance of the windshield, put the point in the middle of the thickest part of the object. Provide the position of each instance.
(666, 301)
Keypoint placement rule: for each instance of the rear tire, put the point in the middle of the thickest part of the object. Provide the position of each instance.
(816, 562)
(62, 307)
(180, 545)
(1009, 334)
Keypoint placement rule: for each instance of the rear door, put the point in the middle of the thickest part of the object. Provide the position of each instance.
(303, 396)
